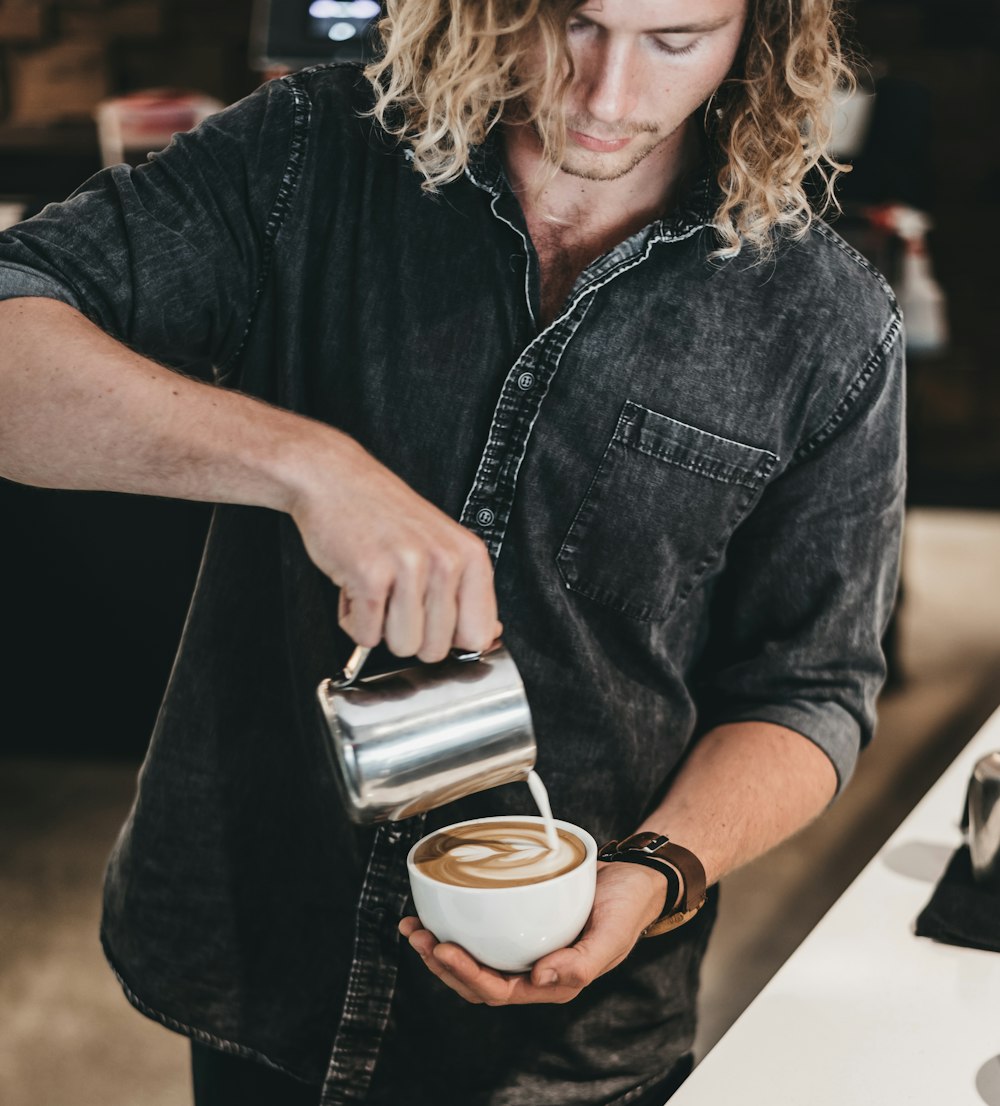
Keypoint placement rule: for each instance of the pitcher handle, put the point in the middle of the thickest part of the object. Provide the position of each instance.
(352, 670)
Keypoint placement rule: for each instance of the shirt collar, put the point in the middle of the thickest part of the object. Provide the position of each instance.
(693, 211)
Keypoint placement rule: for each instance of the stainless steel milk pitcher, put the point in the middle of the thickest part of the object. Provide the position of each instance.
(411, 740)
(984, 820)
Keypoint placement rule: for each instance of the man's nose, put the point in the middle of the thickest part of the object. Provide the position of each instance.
(610, 82)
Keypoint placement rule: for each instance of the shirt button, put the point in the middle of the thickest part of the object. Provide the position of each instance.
(526, 381)
(484, 516)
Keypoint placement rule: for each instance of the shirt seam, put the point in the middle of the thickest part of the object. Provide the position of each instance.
(282, 201)
(765, 453)
(718, 470)
(355, 997)
(202, 1036)
(857, 386)
(827, 232)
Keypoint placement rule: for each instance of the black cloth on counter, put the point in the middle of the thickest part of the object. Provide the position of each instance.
(962, 911)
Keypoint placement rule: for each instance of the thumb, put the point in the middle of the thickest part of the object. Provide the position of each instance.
(595, 953)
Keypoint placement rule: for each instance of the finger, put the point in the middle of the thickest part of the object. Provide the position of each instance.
(597, 951)
(561, 975)
(423, 943)
(477, 621)
(409, 925)
(495, 987)
(404, 617)
(440, 606)
(472, 980)
(362, 617)
(500, 988)
(491, 986)
(456, 985)
(497, 639)
(567, 968)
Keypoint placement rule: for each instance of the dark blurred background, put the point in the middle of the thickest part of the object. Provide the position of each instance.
(94, 586)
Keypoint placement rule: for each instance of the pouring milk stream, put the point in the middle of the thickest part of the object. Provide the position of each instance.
(541, 797)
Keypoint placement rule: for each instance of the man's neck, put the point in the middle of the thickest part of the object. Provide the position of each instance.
(598, 207)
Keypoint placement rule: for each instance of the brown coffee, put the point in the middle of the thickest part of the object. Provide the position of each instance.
(506, 853)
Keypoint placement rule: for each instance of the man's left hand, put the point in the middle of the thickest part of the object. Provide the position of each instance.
(629, 897)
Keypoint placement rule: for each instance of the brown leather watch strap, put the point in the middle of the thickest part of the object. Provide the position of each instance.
(657, 851)
(693, 895)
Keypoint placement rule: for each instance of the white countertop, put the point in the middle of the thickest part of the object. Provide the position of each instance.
(865, 1012)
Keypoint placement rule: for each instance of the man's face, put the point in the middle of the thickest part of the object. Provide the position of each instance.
(641, 69)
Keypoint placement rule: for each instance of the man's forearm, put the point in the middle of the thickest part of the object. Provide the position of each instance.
(743, 789)
(80, 410)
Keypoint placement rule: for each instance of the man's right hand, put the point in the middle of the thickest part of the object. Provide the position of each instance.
(80, 410)
(408, 573)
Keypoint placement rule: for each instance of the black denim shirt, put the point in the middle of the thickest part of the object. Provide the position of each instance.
(691, 485)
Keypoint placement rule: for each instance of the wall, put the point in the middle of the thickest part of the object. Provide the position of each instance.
(951, 48)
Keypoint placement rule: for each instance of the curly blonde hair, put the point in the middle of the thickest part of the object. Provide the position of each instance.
(449, 72)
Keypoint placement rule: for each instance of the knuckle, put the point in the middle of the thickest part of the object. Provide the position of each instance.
(473, 548)
(446, 564)
(480, 556)
(372, 582)
(412, 560)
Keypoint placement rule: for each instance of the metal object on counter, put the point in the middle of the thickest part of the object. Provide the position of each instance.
(984, 820)
(412, 740)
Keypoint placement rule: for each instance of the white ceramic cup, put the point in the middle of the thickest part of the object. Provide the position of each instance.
(508, 927)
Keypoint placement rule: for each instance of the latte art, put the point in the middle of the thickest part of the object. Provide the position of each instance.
(498, 854)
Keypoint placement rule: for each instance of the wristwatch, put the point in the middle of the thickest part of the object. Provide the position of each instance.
(676, 863)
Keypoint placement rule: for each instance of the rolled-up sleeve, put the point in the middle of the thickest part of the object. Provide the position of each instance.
(20, 280)
(811, 577)
(168, 257)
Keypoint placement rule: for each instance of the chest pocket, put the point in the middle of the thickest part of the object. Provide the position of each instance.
(658, 513)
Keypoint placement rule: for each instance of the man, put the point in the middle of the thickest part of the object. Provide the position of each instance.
(547, 334)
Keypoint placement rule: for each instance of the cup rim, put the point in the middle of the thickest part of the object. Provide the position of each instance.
(589, 842)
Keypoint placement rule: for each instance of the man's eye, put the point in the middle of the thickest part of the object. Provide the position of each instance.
(675, 51)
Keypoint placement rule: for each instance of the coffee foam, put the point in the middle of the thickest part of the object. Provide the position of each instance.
(506, 853)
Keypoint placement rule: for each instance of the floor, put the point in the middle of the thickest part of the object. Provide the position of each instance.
(68, 1038)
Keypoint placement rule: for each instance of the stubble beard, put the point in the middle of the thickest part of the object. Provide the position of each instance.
(608, 171)
(594, 166)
